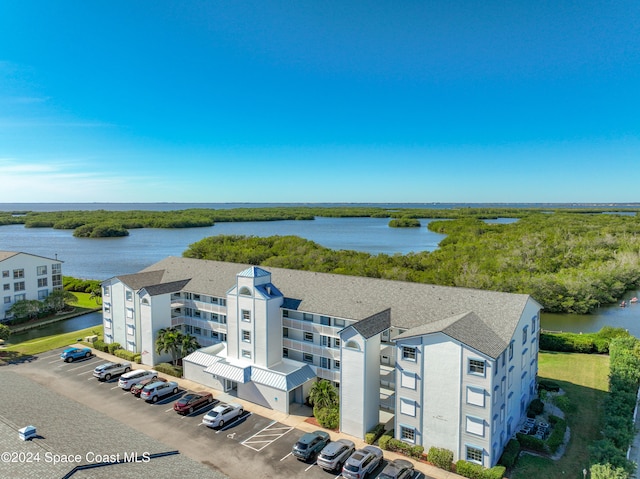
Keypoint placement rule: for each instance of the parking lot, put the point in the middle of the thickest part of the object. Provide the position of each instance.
(250, 445)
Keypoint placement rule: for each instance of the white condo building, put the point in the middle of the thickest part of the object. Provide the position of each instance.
(454, 367)
(27, 276)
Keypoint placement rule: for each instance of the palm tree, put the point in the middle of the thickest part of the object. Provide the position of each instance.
(96, 295)
(188, 344)
(167, 341)
(323, 394)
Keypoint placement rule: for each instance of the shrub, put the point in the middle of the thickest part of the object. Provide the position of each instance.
(535, 407)
(170, 369)
(530, 442)
(137, 358)
(440, 457)
(112, 347)
(124, 354)
(476, 471)
(100, 345)
(328, 417)
(373, 435)
(564, 404)
(557, 434)
(548, 385)
(383, 442)
(416, 451)
(510, 454)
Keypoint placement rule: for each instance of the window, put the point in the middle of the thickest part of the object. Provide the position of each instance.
(18, 273)
(533, 325)
(246, 336)
(495, 395)
(474, 454)
(19, 286)
(106, 291)
(325, 320)
(475, 396)
(285, 332)
(524, 334)
(285, 313)
(40, 270)
(307, 316)
(325, 363)
(285, 352)
(476, 366)
(336, 364)
(325, 340)
(524, 358)
(42, 294)
(106, 307)
(196, 297)
(19, 297)
(129, 295)
(408, 353)
(246, 315)
(130, 330)
(7, 287)
(504, 356)
(246, 354)
(339, 323)
(503, 385)
(407, 434)
(475, 425)
(336, 342)
(408, 407)
(510, 377)
(56, 268)
(5, 274)
(307, 358)
(408, 380)
(197, 313)
(129, 313)
(308, 337)
(197, 331)
(7, 299)
(245, 291)
(510, 350)
(353, 345)
(42, 282)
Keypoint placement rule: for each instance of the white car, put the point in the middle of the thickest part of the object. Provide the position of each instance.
(221, 414)
(107, 370)
(135, 376)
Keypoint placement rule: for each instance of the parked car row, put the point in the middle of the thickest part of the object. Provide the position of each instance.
(341, 455)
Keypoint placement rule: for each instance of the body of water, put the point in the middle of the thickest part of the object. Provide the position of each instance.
(65, 326)
(102, 258)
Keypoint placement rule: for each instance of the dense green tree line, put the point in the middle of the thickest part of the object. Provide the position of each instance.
(568, 262)
(101, 223)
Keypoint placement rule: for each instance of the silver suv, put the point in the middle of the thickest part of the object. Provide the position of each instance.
(158, 389)
(108, 370)
(362, 462)
(335, 454)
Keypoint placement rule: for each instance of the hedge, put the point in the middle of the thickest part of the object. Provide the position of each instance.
(440, 457)
(373, 435)
(510, 454)
(128, 355)
(476, 471)
(531, 443)
(113, 347)
(581, 343)
(557, 434)
(100, 345)
(169, 369)
(383, 442)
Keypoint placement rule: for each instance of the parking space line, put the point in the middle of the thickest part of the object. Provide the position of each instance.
(55, 361)
(170, 409)
(85, 372)
(266, 436)
(310, 467)
(285, 457)
(79, 367)
(115, 387)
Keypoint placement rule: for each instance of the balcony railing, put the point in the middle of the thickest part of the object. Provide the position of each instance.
(311, 327)
(312, 348)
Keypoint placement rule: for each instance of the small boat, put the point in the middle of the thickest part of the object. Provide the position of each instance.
(633, 300)
(623, 304)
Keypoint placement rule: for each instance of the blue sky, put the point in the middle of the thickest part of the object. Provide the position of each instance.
(319, 101)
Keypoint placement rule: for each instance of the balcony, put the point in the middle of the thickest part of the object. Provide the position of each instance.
(311, 327)
(330, 374)
(387, 377)
(199, 323)
(312, 348)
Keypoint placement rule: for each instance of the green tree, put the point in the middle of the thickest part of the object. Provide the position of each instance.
(96, 295)
(168, 341)
(58, 300)
(5, 332)
(26, 308)
(323, 394)
(607, 471)
(188, 344)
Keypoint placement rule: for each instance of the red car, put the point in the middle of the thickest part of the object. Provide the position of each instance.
(192, 401)
(136, 389)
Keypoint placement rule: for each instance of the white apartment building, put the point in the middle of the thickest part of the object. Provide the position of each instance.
(453, 367)
(27, 276)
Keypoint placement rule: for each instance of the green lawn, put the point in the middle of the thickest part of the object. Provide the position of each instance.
(40, 345)
(584, 377)
(85, 301)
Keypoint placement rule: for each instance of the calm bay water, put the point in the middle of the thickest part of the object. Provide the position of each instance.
(107, 257)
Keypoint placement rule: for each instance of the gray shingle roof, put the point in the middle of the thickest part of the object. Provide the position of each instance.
(350, 297)
(375, 324)
(9, 254)
(164, 288)
(467, 328)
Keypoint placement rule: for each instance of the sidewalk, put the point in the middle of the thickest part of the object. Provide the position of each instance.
(297, 419)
